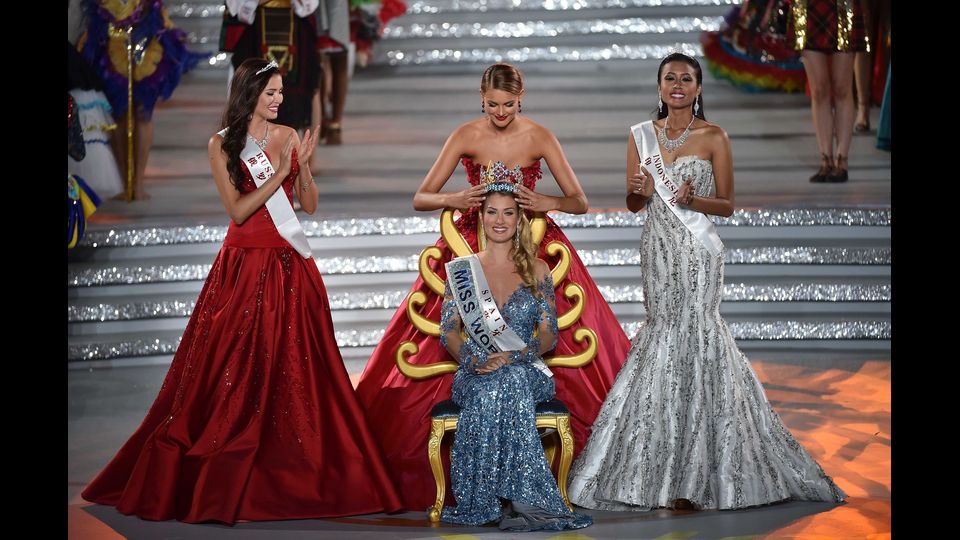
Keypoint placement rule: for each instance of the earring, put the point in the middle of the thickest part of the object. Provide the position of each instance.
(696, 105)
(519, 107)
(482, 108)
(516, 238)
(659, 104)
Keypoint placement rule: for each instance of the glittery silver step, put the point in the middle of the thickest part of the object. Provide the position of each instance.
(518, 55)
(162, 273)
(333, 228)
(771, 331)
(523, 29)
(473, 6)
(732, 292)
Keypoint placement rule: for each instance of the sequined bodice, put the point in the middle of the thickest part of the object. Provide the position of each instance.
(659, 215)
(693, 167)
(522, 310)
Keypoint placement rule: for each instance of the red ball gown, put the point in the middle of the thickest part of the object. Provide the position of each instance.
(256, 419)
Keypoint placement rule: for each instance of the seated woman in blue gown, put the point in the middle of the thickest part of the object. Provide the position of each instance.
(503, 300)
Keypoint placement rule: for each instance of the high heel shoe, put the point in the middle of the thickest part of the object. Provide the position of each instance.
(838, 173)
(333, 134)
(826, 165)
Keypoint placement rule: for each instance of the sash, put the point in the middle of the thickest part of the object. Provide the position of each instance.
(697, 223)
(245, 10)
(482, 320)
(281, 212)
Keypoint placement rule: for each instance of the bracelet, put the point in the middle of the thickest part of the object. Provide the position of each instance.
(305, 186)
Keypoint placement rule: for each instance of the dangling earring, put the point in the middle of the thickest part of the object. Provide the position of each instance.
(696, 105)
(659, 104)
(516, 239)
(482, 108)
(519, 107)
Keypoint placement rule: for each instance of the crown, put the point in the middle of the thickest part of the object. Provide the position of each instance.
(271, 65)
(499, 178)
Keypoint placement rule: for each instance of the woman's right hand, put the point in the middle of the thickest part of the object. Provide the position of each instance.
(641, 183)
(286, 158)
(494, 362)
(469, 198)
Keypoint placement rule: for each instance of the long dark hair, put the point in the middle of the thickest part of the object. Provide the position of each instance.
(245, 90)
(680, 57)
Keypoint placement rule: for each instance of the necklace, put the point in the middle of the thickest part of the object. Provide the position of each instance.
(671, 145)
(261, 143)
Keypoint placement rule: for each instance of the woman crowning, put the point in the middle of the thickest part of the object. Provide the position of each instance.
(399, 407)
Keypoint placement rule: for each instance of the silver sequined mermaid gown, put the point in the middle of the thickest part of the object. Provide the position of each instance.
(687, 417)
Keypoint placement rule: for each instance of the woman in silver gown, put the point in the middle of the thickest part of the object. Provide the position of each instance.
(686, 423)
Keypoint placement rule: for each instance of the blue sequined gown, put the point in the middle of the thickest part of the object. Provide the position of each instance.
(497, 452)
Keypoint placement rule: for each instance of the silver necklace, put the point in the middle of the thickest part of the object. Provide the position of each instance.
(671, 145)
(261, 143)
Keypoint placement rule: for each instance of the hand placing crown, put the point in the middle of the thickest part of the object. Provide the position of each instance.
(498, 178)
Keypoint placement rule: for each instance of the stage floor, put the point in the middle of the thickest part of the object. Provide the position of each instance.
(837, 405)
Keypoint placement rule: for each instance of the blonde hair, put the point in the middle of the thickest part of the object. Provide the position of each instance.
(525, 255)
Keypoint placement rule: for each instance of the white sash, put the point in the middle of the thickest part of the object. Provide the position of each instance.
(245, 10)
(281, 212)
(482, 320)
(697, 223)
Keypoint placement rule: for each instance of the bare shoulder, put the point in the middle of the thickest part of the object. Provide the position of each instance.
(464, 135)
(537, 129)
(714, 132)
(541, 139)
(468, 129)
(285, 131)
(214, 144)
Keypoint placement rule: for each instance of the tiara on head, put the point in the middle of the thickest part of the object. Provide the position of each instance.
(499, 178)
(272, 64)
(689, 53)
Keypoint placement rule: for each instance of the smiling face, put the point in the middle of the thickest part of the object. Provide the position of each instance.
(678, 84)
(501, 216)
(501, 106)
(268, 104)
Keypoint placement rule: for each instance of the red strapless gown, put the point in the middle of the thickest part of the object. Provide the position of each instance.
(256, 419)
(398, 408)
